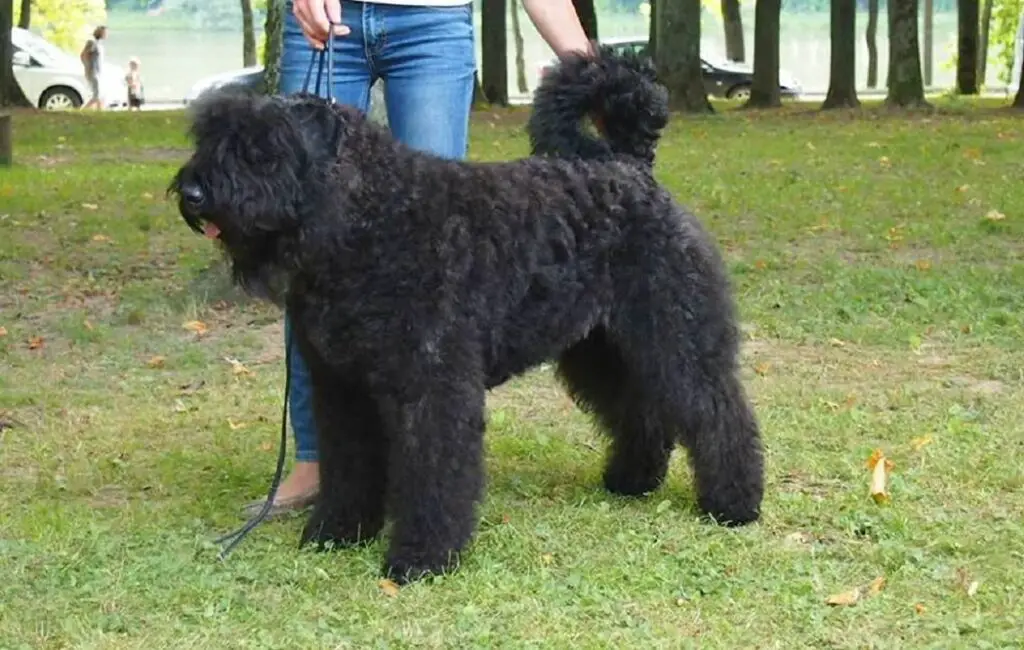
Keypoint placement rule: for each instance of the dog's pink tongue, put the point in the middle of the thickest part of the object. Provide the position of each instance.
(211, 230)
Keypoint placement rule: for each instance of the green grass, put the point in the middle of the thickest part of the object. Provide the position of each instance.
(881, 296)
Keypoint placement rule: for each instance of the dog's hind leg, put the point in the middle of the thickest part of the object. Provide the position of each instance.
(353, 453)
(680, 342)
(599, 382)
(437, 422)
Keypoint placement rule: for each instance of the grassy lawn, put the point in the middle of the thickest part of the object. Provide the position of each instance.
(879, 265)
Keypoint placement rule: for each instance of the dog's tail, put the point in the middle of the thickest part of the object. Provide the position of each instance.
(620, 92)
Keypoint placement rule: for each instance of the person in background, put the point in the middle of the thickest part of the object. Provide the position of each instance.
(133, 80)
(424, 52)
(92, 61)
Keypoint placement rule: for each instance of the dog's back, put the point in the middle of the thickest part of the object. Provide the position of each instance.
(619, 91)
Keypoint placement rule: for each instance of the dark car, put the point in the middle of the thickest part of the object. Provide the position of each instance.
(724, 79)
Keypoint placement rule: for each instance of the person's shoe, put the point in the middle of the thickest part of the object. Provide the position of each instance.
(281, 507)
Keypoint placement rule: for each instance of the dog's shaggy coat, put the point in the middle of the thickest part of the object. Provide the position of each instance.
(416, 284)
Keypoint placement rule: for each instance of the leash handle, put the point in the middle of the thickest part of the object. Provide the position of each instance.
(318, 58)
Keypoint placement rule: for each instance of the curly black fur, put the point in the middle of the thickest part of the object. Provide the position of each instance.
(416, 284)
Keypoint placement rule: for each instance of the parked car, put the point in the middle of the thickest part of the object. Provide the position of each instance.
(252, 77)
(724, 79)
(54, 80)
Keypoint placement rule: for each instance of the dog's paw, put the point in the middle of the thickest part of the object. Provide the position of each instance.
(404, 570)
(325, 533)
(630, 484)
(731, 507)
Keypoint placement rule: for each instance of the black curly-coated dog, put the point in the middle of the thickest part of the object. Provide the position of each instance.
(416, 284)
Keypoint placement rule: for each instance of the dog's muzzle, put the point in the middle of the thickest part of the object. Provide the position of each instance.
(190, 203)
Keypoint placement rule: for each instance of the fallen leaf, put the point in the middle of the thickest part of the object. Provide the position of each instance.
(923, 265)
(264, 446)
(3, 331)
(995, 215)
(156, 362)
(100, 238)
(505, 519)
(857, 594)
(919, 608)
(235, 426)
(547, 558)
(762, 368)
(966, 329)
(880, 466)
(963, 188)
(237, 367)
(197, 326)
(972, 153)
(87, 325)
(760, 265)
(389, 588)
(885, 162)
(836, 343)
(35, 343)
(967, 582)
(874, 145)
(90, 206)
(147, 195)
(810, 145)
(192, 387)
(921, 442)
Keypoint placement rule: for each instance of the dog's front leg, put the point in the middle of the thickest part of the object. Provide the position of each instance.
(353, 457)
(436, 471)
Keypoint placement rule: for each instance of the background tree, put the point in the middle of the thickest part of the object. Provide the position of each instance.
(64, 23)
(677, 55)
(986, 23)
(6, 81)
(517, 36)
(871, 37)
(1018, 100)
(588, 17)
(732, 23)
(248, 35)
(842, 86)
(652, 29)
(967, 47)
(906, 87)
(273, 33)
(928, 54)
(764, 88)
(25, 19)
(1006, 17)
(494, 55)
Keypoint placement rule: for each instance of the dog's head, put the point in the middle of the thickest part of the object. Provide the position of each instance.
(258, 165)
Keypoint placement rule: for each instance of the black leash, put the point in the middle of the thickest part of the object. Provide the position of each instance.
(235, 537)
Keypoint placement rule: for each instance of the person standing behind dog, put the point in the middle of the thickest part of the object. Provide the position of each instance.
(92, 61)
(424, 51)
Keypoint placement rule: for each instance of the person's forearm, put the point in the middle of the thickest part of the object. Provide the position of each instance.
(558, 25)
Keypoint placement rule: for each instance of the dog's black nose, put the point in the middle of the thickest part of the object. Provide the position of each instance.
(192, 193)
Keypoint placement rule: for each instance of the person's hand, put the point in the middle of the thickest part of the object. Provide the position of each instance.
(316, 17)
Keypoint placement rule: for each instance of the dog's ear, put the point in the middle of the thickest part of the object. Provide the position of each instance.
(323, 126)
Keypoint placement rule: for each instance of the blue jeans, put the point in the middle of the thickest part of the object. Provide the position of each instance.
(426, 58)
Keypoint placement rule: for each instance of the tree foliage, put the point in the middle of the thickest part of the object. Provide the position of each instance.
(65, 23)
(1006, 16)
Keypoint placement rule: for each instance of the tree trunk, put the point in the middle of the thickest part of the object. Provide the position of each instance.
(6, 82)
(986, 22)
(273, 29)
(677, 58)
(652, 29)
(967, 47)
(929, 40)
(842, 86)
(494, 59)
(588, 17)
(732, 21)
(871, 36)
(764, 89)
(906, 87)
(25, 18)
(1018, 100)
(517, 36)
(248, 35)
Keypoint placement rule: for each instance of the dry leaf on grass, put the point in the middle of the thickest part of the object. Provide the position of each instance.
(197, 326)
(762, 368)
(235, 426)
(3, 331)
(237, 367)
(880, 467)
(966, 581)
(90, 206)
(100, 238)
(389, 588)
(920, 442)
(994, 215)
(857, 594)
(156, 362)
(35, 343)
(919, 608)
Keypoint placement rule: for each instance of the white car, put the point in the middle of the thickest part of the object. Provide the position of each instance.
(54, 80)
